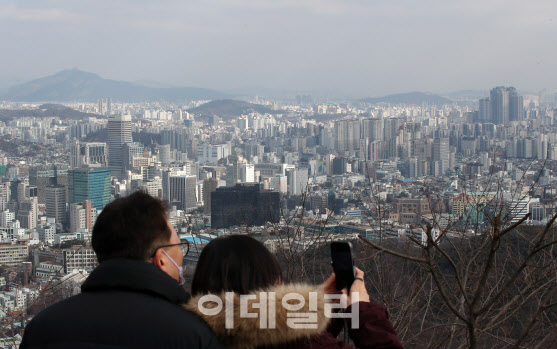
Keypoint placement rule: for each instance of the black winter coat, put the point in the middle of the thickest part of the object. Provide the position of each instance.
(123, 304)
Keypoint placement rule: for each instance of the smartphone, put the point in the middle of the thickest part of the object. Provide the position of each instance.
(343, 264)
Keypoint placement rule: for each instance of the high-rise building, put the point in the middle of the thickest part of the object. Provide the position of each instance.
(152, 187)
(108, 106)
(318, 203)
(244, 205)
(297, 181)
(484, 113)
(5, 192)
(119, 133)
(45, 175)
(347, 135)
(177, 138)
(82, 216)
(390, 128)
(516, 105)
(27, 213)
(209, 186)
(372, 129)
(6, 217)
(89, 154)
(506, 105)
(166, 184)
(499, 105)
(183, 192)
(100, 106)
(211, 154)
(339, 166)
(22, 191)
(441, 154)
(246, 173)
(276, 183)
(90, 183)
(56, 203)
(129, 152)
(412, 167)
(165, 154)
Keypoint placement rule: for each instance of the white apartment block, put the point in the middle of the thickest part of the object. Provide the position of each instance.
(13, 254)
(82, 217)
(6, 218)
(153, 188)
(46, 233)
(46, 271)
(79, 258)
(211, 154)
(18, 299)
(246, 173)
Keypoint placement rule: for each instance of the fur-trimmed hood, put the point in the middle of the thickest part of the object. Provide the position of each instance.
(247, 332)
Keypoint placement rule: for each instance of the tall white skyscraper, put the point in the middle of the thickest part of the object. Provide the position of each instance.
(247, 173)
(347, 135)
(119, 133)
(441, 153)
(297, 181)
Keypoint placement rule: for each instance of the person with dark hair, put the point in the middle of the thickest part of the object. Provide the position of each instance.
(238, 266)
(131, 300)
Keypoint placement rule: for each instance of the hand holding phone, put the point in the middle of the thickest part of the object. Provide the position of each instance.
(358, 287)
(343, 264)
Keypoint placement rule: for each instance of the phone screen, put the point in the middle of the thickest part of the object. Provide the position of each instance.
(343, 266)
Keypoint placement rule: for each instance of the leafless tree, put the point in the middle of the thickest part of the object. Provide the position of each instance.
(494, 285)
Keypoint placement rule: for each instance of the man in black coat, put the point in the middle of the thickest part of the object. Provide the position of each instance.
(131, 300)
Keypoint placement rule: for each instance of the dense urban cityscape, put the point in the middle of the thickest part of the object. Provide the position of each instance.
(398, 155)
(325, 166)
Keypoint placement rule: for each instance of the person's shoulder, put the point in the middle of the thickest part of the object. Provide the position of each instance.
(187, 325)
(58, 309)
(183, 314)
(42, 323)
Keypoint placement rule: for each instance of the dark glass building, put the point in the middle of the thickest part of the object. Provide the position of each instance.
(244, 204)
(90, 183)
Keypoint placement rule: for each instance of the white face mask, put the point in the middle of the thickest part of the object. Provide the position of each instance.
(180, 269)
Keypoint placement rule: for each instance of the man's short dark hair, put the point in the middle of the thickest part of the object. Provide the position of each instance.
(129, 227)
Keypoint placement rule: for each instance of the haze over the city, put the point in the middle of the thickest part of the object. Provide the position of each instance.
(357, 48)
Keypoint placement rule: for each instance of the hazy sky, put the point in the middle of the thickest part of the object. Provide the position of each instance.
(372, 47)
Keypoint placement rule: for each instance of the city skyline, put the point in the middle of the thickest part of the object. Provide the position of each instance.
(421, 136)
(293, 173)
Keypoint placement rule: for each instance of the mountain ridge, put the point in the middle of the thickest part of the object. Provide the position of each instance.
(228, 109)
(46, 110)
(77, 85)
(415, 97)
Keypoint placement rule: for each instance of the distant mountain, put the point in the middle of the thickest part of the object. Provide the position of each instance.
(417, 98)
(150, 83)
(467, 95)
(229, 109)
(46, 110)
(77, 85)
